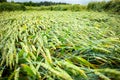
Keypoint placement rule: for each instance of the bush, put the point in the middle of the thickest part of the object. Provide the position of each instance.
(112, 6)
(96, 6)
(11, 7)
(77, 7)
(60, 8)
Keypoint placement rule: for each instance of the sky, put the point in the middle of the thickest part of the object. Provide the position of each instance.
(66, 1)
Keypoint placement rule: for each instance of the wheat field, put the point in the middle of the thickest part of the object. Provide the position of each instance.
(59, 45)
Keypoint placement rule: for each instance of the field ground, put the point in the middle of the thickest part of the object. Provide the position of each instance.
(56, 45)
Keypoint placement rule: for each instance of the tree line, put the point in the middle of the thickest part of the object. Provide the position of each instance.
(30, 3)
(45, 3)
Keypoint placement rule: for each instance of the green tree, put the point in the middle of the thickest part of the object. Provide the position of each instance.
(3, 0)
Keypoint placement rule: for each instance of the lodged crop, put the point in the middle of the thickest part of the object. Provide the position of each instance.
(44, 45)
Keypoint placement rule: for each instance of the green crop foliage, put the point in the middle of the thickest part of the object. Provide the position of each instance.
(59, 45)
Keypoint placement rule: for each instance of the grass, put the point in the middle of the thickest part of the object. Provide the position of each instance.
(46, 45)
(67, 7)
